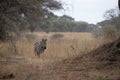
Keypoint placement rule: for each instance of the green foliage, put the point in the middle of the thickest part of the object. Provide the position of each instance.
(109, 32)
(111, 26)
(19, 15)
(3, 31)
(65, 24)
(96, 31)
(57, 36)
(66, 17)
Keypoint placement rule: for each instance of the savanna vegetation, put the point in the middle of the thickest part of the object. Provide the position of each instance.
(111, 26)
(76, 50)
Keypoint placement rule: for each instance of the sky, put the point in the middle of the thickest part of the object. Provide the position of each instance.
(90, 11)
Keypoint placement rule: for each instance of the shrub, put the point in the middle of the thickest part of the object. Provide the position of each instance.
(3, 31)
(110, 32)
(57, 36)
(30, 36)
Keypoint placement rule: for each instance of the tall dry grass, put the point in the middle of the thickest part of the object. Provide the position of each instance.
(71, 45)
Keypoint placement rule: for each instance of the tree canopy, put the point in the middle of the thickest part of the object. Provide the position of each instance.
(17, 14)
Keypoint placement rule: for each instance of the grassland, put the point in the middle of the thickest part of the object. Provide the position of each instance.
(69, 46)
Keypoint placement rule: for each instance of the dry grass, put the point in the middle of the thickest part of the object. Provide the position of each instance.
(72, 44)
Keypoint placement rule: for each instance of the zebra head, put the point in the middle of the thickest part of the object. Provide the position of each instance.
(43, 43)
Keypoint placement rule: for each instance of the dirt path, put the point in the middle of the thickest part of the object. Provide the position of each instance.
(79, 68)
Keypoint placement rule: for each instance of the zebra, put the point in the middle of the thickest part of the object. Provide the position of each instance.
(39, 47)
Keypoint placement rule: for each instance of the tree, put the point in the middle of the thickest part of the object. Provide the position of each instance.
(109, 32)
(66, 17)
(111, 26)
(112, 17)
(3, 31)
(16, 13)
(111, 14)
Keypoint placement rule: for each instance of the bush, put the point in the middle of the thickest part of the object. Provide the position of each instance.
(57, 36)
(110, 32)
(30, 36)
(3, 31)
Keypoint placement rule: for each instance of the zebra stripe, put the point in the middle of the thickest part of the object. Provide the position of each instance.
(39, 47)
